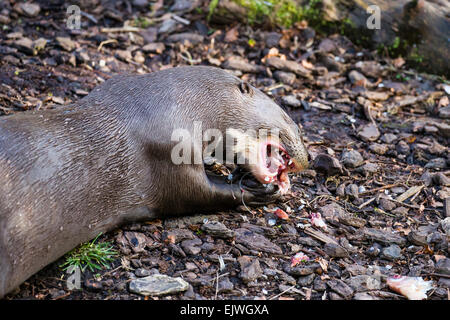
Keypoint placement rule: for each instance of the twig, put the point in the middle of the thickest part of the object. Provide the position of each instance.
(280, 294)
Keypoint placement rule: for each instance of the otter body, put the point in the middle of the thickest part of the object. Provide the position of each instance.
(71, 173)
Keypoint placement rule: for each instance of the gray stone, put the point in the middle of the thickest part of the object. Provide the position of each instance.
(357, 78)
(378, 148)
(225, 285)
(445, 225)
(335, 251)
(364, 296)
(443, 266)
(402, 147)
(184, 5)
(250, 269)
(351, 158)
(239, 63)
(306, 280)
(66, 43)
(436, 163)
(388, 138)
(328, 164)
(193, 38)
(383, 236)
(444, 112)
(192, 246)
(361, 283)
(218, 230)
(287, 65)
(418, 237)
(285, 77)
(291, 101)
(30, 9)
(157, 285)
(25, 45)
(341, 288)
(303, 270)
(255, 241)
(369, 132)
(387, 205)
(168, 26)
(393, 252)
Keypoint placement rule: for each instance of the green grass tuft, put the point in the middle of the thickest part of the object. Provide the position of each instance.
(90, 255)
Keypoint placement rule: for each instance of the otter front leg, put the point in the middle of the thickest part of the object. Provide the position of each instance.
(237, 193)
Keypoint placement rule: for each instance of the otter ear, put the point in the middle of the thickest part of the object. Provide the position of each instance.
(245, 88)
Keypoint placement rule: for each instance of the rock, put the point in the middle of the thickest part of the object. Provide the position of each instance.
(149, 35)
(378, 148)
(403, 148)
(374, 250)
(332, 211)
(444, 112)
(136, 240)
(393, 252)
(357, 78)
(371, 68)
(184, 5)
(157, 285)
(418, 237)
(25, 45)
(93, 285)
(335, 251)
(287, 65)
(352, 190)
(341, 288)
(306, 280)
(291, 101)
(255, 241)
(387, 205)
(272, 39)
(4, 19)
(124, 55)
(225, 285)
(368, 169)
(303, 270)
(445, 225)
(239, 63)
(139, 57)
(192, 38)
(376, 96)
(140, 3)
(326, 45)
(443, 266)
(351, 220)
(351, 158)
(361, 283)
(29, 9)
(436, 163)
(168, 26)
(217, 230)
(66, 43)
(141, 272)
(369, 133)
(177, 235)
(250, 269)
(364, 296)
(383, 236)
(319, 285)
(155, 47)
(192, 246)
(389, 138)
(328, 164)
(285, 77)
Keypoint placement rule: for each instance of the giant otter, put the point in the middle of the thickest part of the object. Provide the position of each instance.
(73, 172)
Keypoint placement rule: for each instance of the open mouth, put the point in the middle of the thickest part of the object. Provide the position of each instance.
(273, 166)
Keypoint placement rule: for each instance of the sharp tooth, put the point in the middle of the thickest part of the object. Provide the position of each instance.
(290, 162)
(267, 179)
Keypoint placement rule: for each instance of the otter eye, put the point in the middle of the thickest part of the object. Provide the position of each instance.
(245, 88)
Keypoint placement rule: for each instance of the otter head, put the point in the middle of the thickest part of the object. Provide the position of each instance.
(275, 148)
